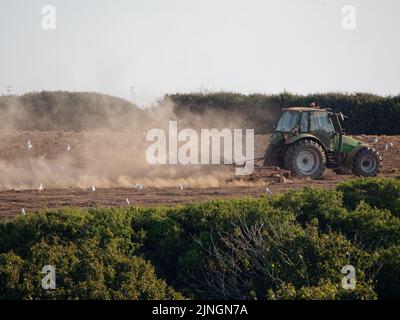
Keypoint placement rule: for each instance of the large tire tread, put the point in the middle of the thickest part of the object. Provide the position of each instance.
(293, 150)
(356, 162)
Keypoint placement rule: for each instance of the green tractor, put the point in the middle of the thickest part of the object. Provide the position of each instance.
(309, 139)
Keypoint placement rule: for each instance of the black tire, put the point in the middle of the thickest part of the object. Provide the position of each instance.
(306, 158)
(272, 156)
(367, 162)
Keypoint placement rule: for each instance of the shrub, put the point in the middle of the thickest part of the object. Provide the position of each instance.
(107, 226)
(311, 203)
(171, 237)
(92, 252)
(290, 246)
(256, 261)
(379, 192)
(388, 279)
(10, 275)
(325, 290)
(373, 228)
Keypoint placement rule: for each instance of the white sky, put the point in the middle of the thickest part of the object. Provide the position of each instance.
(169, 46)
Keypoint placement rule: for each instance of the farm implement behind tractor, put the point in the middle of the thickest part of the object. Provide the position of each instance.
(262, 171)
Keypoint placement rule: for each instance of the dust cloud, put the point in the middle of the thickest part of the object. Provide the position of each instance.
(107, 153)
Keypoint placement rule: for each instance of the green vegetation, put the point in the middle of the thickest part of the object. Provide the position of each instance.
(368, 114)
(86, 111)
(289, 246)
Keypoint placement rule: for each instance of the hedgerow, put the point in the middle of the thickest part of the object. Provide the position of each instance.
(368, 113)
(289, 246)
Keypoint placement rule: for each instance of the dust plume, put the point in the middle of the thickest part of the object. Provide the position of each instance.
(94, 144)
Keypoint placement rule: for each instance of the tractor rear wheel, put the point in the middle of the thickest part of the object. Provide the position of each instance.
(306, 158)
(367, 162)
(272, 156)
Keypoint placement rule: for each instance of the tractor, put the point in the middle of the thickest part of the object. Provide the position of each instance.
(309, 139)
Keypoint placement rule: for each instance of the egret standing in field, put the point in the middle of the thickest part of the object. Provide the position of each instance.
(93, 188)
(29, 145)
(138, 187)
(268, 191)
(40, 189)
(23, 213)
(180, 186)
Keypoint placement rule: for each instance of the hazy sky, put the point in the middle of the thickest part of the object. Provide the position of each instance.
(168, 46)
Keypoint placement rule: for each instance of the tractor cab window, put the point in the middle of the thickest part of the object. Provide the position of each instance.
(288, 121)
(320, 122)
(304, 122)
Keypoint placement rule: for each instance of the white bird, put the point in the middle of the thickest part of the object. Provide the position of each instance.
(373, 140)
(68, 148)
(29, 144)
(40, 188)
(93, 188)
(268, 191)
(391, 144)
(138, 187)
(23, 212)
(127, 201)
(180, 186)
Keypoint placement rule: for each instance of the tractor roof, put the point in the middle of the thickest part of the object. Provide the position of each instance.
(302, 109)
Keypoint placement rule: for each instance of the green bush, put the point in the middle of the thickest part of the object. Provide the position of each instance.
(107, 226)
(10, 275)
(388, 279)
(289, 246)
(379, 192)
(312, 203)
(325, 290)
(92, 251)
(174, 238)
(256, 261)
(372, 227)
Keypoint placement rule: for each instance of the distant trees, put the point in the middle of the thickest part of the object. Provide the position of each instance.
(86, 111)
(368, 114)
(68, 111)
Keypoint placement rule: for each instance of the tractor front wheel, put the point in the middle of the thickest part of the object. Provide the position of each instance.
(306, 158)
(367, 163)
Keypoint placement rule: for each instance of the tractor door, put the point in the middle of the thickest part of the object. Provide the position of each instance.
(321, 126)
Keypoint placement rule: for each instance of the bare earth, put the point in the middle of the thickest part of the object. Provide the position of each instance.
(12, 200)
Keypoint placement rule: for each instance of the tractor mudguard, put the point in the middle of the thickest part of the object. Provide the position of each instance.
(348, 163)
(299, 137)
